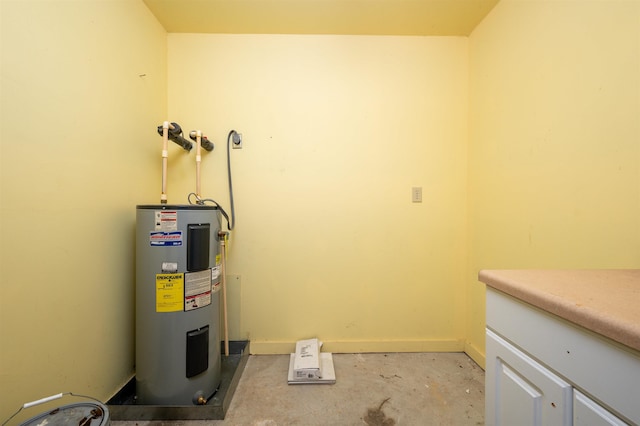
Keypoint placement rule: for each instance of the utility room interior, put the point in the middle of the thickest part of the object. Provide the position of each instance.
(391, 150)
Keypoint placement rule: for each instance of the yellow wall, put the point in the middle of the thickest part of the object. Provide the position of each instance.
(78, 151)
(534, 121)
(337, 129)
(554, 142)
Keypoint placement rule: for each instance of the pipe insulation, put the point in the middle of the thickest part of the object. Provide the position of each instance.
(198, 162)
(223, 279)
(165, 156)
(170, 132)
(175, 135)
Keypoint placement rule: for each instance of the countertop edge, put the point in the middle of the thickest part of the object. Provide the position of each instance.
(602, 323)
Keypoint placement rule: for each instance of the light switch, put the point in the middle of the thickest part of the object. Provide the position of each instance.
(416, 194)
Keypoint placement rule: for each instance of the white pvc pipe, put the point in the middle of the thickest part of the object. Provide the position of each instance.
(198, 161)
(165, 155)
(223, 261)
(42, 401)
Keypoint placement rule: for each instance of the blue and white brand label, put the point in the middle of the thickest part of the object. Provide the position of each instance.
(164, 239)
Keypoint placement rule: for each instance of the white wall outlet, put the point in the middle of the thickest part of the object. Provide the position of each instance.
(236, 142)
(416, 194)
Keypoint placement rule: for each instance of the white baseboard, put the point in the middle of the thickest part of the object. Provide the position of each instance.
(377, 346)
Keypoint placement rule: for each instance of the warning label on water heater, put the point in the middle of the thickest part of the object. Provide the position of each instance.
(169, 292)
(197, 289)
(166, 220)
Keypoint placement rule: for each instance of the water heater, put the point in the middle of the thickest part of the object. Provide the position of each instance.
(177, 304)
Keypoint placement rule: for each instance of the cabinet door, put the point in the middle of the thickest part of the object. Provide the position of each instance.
(587, 412)
(520, 391)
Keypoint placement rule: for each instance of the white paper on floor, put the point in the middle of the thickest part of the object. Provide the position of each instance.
(309, 366)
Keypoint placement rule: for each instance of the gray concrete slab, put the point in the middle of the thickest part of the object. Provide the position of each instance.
(370, 389)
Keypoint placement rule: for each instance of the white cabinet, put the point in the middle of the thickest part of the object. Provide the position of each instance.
(542, 370)
(587, 412)
(523, 392)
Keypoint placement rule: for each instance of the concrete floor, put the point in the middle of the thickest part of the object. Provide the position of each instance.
(370, 389)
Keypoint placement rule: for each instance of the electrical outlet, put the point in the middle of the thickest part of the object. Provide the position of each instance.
(236, 141)
(416, 194)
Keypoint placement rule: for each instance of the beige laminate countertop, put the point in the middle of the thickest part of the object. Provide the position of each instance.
(605, 301)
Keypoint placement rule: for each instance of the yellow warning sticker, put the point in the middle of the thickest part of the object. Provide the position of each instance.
(169, 292)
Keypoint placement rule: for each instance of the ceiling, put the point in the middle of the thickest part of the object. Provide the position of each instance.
(350, 17)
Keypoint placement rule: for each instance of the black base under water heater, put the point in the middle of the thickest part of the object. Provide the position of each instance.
(177, 304)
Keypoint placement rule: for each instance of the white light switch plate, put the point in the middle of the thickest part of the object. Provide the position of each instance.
(416, 194)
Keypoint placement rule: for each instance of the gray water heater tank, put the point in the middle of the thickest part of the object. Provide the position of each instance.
(177, 304)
